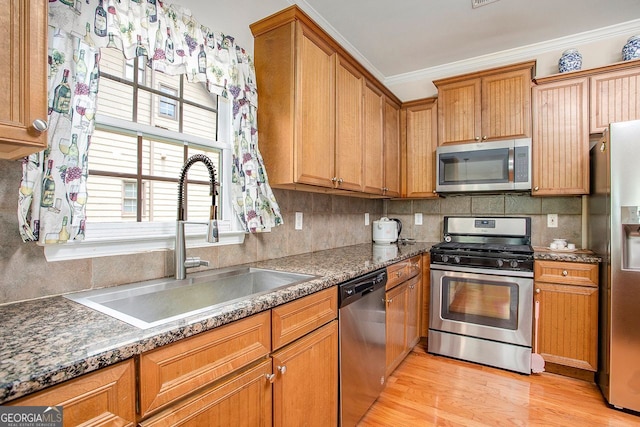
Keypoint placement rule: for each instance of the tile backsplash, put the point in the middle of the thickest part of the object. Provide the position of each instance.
(329, 221)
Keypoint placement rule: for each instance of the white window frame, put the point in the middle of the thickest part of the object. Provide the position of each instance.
(126, 182)
(123, 238)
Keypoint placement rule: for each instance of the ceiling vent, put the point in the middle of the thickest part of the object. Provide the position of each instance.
(478, 3)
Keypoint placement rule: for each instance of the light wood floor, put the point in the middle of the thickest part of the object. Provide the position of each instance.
(428, 390)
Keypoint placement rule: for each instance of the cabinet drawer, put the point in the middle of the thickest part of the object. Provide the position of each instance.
(403, 270)
(570, 273)
(224, 404)
(100, 398)
(175, 370)
(297, 318)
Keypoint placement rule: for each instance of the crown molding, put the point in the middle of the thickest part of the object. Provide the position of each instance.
(518, 54)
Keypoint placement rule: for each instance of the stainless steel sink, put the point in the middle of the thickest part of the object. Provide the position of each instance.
(156, 302)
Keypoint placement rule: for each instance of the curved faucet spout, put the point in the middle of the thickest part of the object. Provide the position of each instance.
(182, 262)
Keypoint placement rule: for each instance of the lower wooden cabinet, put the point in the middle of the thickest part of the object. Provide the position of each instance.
(305, 388)
(102, 398)
(402, 320)
(568, 326)
(243, 400)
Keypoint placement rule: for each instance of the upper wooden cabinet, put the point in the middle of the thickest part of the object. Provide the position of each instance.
(392, 186)
(419, 121)
(24, 77)
(615, 97)
(373, 141)
(321, 113)
(560, 144)
(488, 105)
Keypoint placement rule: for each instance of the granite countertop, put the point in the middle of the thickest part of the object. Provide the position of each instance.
(578, 255)
(50, 340)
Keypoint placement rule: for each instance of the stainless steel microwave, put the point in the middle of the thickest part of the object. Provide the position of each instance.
(493, 166)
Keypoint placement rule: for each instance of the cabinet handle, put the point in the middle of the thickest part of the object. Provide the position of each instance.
(390, 300)
(477, 138)
(40, 125)
(536, 188)
(538, 291)
(282, 369)
(484, 138)
(340, 180)
(270, 377)
(412, 286)
(565, 273)
(334, 179)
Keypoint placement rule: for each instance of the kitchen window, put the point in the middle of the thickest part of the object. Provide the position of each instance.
(147, 124)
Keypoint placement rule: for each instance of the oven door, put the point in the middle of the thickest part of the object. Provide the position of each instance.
(482, 303)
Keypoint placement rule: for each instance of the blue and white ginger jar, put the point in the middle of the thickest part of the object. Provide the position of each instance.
(571, 60)
(631, 50)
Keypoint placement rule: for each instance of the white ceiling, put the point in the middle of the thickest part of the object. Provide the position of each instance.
(403, 36)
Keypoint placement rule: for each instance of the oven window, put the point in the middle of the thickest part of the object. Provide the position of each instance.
(474, 167)
(482, 302)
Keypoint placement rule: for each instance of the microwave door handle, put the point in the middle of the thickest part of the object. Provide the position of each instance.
(511, 164)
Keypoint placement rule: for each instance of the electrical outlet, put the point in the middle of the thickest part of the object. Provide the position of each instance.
(366, 218)
(552, 220)
(298, 220)
(417, 219)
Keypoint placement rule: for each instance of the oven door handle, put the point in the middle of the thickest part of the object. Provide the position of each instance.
(478, 270)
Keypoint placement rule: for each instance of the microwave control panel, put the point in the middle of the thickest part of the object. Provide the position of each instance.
(521, 166)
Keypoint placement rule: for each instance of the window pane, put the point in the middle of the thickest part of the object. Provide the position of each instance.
(113, 152)
(163, 201)
(115, 99)
(199, 202)
(162, 158)
(198, 171)
(105, 202)
(112, 62)
(199, 122)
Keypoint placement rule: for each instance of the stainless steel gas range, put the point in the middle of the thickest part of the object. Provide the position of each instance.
(482, 292)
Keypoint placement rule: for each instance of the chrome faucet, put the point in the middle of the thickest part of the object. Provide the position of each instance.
(182, 262)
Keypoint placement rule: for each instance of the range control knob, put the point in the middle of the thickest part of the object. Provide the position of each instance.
(514, 263)
(500, 263)
(445, 258)
(456, 259)
(447, 238)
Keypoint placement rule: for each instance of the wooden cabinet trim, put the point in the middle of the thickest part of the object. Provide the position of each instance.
(104, 397)
(297, 318)
(588, 72)
(497, 70)
(175, 370)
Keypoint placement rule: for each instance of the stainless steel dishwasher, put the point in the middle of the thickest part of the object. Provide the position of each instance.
(362, 344)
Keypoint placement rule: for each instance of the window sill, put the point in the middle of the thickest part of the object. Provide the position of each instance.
(106, 242)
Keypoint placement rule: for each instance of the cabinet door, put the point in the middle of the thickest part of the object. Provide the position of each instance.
(568, 325)
(414, 305)
(373, 172)
(459, 107)
(614, 98)
(349, 87)
(315, 110)
(506, 105)
(391, 148)
(421, 143)
(560, 138)
(305, 390)
(396, 325)
(103, 398)
(23, 53)
(243, 400)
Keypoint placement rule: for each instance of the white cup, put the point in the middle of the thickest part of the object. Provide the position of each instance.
(571, 246)
(553, 245)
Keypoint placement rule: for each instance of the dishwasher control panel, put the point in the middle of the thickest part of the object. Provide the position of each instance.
(356, 288)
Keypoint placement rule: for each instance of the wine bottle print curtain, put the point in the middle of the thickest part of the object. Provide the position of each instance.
(53, 188)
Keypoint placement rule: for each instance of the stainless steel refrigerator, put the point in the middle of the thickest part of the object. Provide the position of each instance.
(614, 234)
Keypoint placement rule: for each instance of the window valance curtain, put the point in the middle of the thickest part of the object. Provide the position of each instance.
(53, 188)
